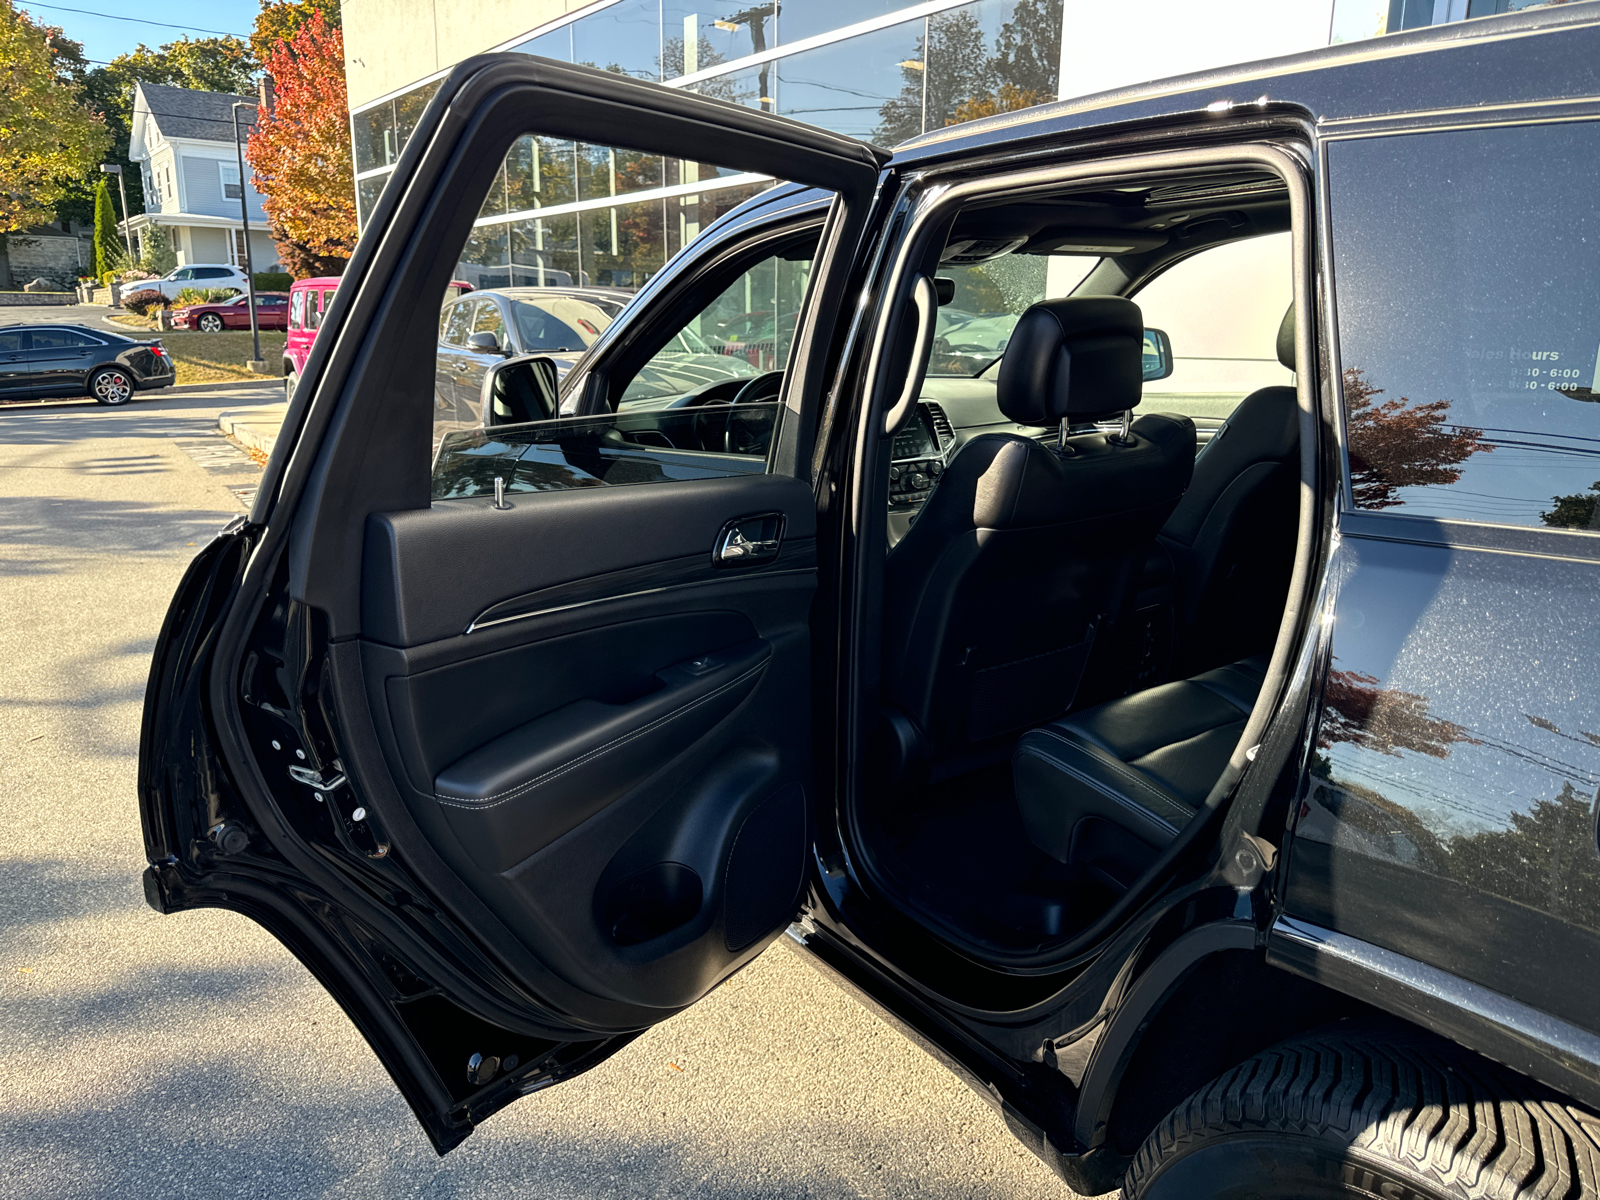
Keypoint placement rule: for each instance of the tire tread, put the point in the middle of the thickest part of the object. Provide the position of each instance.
(1451, 1120)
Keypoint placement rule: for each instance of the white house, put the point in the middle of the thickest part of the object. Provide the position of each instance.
(183, 142)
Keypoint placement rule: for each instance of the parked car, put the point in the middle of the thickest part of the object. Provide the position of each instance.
(198, 275)
(272, 312)
(487, 326)
(72, 360)
(309, 300)
(1227, 822)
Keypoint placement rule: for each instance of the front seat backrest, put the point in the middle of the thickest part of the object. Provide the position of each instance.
(1232, 536)
(1020, 558)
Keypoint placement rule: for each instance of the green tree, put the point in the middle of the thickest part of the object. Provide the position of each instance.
(1028, 50)
(280, 20)
(108, 249)
(156, 253)
(48, 137)
(1578, 511)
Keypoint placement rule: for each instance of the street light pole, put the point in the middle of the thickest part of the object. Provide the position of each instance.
(116, 169)
(244, 219)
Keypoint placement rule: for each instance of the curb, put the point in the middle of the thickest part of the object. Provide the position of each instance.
(254, 428)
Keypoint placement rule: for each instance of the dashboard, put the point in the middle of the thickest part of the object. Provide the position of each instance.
(917, 457)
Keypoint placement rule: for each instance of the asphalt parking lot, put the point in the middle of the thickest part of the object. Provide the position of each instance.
(192, 1056)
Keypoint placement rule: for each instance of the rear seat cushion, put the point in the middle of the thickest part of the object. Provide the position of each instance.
(1144, 762)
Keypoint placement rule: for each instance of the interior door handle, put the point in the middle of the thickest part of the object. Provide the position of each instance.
(749, 540)
(926, 300)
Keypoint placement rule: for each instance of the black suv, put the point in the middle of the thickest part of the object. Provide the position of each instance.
(1184, 724)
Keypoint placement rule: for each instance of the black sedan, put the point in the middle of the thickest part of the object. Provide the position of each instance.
(70, 360)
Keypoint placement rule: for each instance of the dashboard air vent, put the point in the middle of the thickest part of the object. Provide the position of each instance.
(941, 426)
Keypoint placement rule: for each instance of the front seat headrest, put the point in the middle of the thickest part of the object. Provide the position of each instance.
(1079, 359)
(1286, 353)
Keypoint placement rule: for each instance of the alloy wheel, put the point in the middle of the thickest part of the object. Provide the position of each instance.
(111, 386)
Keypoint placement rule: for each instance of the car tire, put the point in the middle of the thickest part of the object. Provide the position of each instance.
(290, 382)
(111, 385)
(210, 323)
(1363, 1114)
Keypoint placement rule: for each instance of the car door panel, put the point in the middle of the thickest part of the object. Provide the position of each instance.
(516, 780)
(608, 731)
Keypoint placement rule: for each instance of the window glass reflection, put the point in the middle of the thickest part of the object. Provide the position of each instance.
(1469, 323)
(372, 137)
(367, 193)
(798, 21)
(556, 44)
(625, 38)
(858, 87)
(697, 37)
(408, 110)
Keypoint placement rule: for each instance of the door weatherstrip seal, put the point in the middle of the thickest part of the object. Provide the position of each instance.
(1535, 1043)
(480, 623)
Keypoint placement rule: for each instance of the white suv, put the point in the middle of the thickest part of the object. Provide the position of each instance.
(199, 275)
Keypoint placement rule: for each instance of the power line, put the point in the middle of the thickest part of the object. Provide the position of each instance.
(89, 12)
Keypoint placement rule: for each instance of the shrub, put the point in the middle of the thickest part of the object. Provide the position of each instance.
(143, 303)
(107, 278)
(273, 281)
(158, 255)
(205, 295)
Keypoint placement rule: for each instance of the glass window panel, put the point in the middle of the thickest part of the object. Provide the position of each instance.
(970, 333)
(486, 318)
(367, 192)
(746, 330)
(652, 446)
(857, 87)
(455, 324)
(989, 58)
(627, 243)
(1222, 309)
(717, 33)
(486, 260)
(751, 87)
(494, 202)
(604, 171)
(556, 44)
(1469, 321)
(797, 21)
(625, 38)
(372, 136)
(408, 110)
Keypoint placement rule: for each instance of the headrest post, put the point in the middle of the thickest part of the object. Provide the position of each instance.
(1061, 439)
(1124, 437)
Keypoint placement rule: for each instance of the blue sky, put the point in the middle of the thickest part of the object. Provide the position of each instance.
(108, 28)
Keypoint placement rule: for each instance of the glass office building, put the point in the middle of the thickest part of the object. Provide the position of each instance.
(565, 213)
(876, 69)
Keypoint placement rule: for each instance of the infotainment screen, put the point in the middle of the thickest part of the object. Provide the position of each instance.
(915, 439)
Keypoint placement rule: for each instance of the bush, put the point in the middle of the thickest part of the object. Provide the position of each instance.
(158, 255)
(107, 278)
(143, 303)
(206, 295)
(272, 281)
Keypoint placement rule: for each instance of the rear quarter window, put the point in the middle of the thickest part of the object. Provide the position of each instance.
(1467, 276)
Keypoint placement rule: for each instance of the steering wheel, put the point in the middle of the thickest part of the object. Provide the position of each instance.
(747, 433)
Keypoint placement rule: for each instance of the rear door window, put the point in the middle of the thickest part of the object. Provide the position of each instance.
(457, 321)
(1221, 308)
(1467, 275)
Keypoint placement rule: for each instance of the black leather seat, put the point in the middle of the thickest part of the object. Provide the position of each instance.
(1231, 538)
(1024, 552)
(1141, 764)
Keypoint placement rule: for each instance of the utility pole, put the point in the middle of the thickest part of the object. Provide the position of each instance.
(116, 169)
(257, 363)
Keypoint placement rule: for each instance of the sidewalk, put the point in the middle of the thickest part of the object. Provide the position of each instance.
(254, 428)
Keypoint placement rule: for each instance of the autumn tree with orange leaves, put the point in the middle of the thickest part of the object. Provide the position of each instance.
(300, 152)
(1399, 444)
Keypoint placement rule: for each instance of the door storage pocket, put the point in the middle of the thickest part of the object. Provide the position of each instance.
(530, 785)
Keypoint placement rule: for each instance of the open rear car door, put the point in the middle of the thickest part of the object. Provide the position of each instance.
(519, 765)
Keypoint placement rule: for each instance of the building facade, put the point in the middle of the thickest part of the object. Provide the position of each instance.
(183, 142)
(881, 70)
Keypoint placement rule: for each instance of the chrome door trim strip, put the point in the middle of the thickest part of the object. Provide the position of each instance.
(479, 622)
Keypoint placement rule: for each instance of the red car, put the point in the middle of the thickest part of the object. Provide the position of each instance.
(272, 312)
